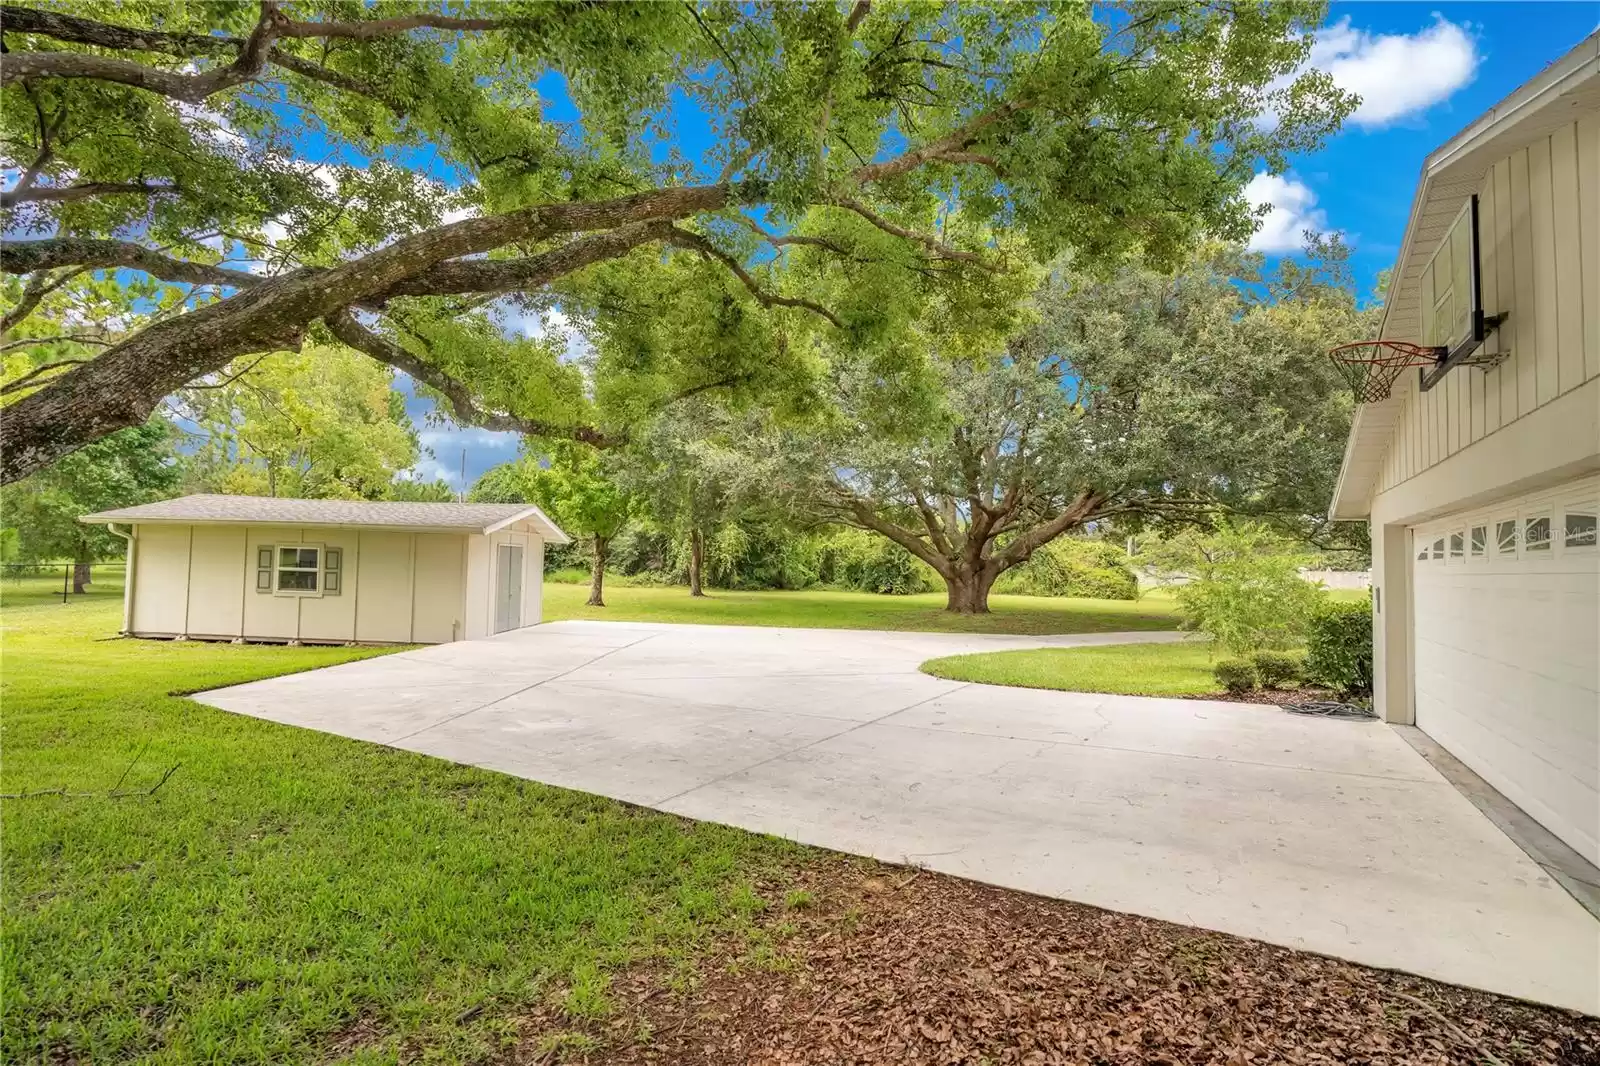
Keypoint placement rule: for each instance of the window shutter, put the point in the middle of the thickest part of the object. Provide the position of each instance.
(264, 557)
(332, 561)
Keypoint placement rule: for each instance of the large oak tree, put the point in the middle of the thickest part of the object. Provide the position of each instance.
(394, 162)
(1140, 396)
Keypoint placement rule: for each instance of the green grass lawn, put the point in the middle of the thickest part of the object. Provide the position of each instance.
(1182, 669)
(286, 888)
(858, 610)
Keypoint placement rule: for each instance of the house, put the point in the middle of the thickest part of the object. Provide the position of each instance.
(1480, 474)
(330, 571)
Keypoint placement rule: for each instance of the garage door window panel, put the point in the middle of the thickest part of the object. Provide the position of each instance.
(1536, 533)
(1579, 528)
(1457, 546)
(1477, 541)
(1506, 536)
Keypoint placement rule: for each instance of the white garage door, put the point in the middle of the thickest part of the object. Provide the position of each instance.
(1507, 647)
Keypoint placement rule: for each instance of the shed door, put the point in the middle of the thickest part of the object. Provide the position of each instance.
(508, 587)
(1507, 627)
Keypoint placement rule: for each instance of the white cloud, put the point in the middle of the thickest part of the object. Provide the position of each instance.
(517, 321)
(1292, 210)
(1396, 74)
(442, 454)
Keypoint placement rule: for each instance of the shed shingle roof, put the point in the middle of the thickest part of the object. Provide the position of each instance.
(212, 509)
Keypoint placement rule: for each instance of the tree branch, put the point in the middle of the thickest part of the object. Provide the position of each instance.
(40, 285)
(531, 272)
(684, 239)
(956, 141)
(27, 380)
(75, 338)
(861, 513)
(857, 13)
(67, 193)
(464, 408)
(1085, 506)
(933, 244)
(87, 253)
(191, 88)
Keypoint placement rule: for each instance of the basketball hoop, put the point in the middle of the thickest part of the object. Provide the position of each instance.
(1371, 367)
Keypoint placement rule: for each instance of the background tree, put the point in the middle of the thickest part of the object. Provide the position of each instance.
(335, 151)
(309, 424)
(688, 472)
(130, 467)
(576, 490)
(1142, 395)
(409, 491)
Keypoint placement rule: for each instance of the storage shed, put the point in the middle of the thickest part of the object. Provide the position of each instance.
(330, 571)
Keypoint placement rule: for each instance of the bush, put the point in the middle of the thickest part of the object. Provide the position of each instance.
(1339, 648)
(1244, 588)
(1235, 675)
(865, 562)
(1276, 669)
(1073, 566)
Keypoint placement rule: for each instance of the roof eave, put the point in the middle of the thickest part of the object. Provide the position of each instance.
(548, 529)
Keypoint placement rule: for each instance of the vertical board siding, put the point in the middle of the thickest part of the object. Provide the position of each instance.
(1539, 232)
(1568, 258)
(1588, 164)
(1546, 375)
(1521, 306)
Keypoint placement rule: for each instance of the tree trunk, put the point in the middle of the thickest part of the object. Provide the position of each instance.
(967, 592)
(80, 570)
(597, 572)
(697, 561)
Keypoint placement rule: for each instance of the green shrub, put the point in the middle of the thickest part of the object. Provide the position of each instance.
(1277, 669)
(1242, 587)
(865, 562)
(1073, 566)
(1339, 648)
(1235, 675)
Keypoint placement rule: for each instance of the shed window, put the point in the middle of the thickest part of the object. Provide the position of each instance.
(298, 568)
(1477, 541)
(1580, 528)
(1505, 536)
(1536, 533)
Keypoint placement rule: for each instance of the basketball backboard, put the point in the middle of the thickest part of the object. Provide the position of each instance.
(1450, 293)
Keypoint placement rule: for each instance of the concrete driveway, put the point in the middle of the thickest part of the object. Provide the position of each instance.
(1331, 836)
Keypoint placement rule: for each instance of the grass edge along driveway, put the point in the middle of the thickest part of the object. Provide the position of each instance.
(285, 888)
(1178, 669)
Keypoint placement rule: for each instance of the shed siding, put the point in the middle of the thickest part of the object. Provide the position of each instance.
(383, 588)
(161, 579)
(332, 617)
(436, 608)
(269, 617)
(1540, 231)
(216, 581)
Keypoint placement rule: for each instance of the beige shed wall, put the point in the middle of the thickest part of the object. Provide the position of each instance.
(217, 566)
(438, 598)
(1539, 226)
(199, 580)
(383, 587)
(330, 617)
(161, 579)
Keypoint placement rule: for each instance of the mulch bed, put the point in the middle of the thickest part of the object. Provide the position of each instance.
(890, 966)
